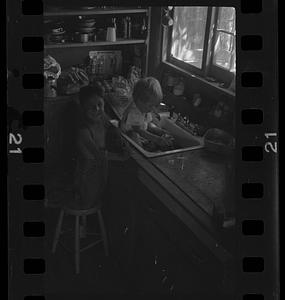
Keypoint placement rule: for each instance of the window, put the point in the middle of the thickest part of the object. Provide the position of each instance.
(225, 39)
(202, 41)
(188, 34)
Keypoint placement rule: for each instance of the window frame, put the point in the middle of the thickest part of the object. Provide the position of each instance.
(208, 69)
(218, 72)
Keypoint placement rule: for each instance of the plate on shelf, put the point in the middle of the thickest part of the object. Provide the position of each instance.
(88, 7)
(86, 23)
(59, 34)
(86, 29)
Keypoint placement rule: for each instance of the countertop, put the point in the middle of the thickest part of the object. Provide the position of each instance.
(203, 176)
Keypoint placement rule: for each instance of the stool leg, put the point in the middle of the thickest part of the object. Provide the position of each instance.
(103, 232)
(77, 245)
(83, 229)
(57, 231)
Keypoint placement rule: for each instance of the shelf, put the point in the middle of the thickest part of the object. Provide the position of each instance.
(69, 12)
(99, 43)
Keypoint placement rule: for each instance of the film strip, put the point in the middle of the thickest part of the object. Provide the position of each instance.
(257, 262)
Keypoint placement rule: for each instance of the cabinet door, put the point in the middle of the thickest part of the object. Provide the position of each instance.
(190, 267)
(153, 253)
(120, 212)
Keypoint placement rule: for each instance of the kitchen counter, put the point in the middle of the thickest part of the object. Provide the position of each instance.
(194, 186)
(201, 175)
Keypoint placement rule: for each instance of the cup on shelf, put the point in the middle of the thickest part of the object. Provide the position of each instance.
(111, 34)
(84, 37)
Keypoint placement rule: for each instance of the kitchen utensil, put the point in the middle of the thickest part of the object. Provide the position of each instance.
(84, 37)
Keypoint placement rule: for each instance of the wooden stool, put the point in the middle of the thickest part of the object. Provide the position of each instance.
(81, 233)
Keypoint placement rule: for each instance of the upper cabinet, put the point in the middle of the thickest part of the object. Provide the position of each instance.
(88, 26)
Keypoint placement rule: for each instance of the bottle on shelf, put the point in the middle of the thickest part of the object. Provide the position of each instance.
(129, 28)
(114, 24)
(111, 31)
(125, 28)
(143, 29)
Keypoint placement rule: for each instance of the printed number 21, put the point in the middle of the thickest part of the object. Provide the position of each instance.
(16, 140)
(270, 146)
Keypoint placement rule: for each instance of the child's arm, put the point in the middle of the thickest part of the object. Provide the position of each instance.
(146, 134)
(152, 128)
(115, 145)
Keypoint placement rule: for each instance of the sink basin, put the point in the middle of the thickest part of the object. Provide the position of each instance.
(184, 140)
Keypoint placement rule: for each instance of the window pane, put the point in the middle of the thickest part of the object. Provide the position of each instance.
(226, 19)
(225, 44)
(224, 53)
(188, 34)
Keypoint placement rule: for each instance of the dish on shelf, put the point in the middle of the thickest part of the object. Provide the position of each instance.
(88, 7)
(58, 33)
(86, 29)
(87, 23)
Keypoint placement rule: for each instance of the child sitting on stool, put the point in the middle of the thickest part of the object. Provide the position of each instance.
(137, 120)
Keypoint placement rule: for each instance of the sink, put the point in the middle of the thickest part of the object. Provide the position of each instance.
(184, 140)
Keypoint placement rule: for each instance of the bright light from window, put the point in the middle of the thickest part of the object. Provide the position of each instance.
(188, 34)
(225, 43)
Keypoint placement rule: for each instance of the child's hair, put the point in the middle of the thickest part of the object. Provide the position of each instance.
(87, 92)
(147, 89)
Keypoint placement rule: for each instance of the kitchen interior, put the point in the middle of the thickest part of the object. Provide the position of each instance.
(170, 230)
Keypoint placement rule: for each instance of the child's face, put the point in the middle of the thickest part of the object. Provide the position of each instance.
(94, 109)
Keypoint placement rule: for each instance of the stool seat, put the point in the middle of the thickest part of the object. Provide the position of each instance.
(80, 230)
(81, 212)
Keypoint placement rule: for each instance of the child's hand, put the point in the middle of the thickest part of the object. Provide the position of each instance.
(164, 141)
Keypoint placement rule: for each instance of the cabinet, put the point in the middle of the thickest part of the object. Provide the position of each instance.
(170, 258)
(65, 50)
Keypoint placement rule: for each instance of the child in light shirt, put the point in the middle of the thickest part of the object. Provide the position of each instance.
(137, 118)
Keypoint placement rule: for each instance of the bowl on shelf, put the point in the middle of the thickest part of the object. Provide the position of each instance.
(86, 29)
(87, 23)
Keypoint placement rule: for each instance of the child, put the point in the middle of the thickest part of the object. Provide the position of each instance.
(137, 119)
(94, 136)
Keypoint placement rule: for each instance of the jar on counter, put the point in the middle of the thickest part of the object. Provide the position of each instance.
(178, 89)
